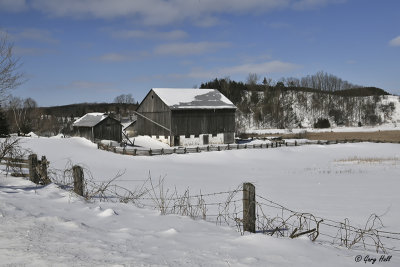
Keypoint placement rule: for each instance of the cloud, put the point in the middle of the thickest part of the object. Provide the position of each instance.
(161, 12)
(33, 34)
(139, 34)
(29, 51)
(183, 49)
(91, 86)
(113, 57)
(395, 41)
(13, 5)
(312, 4)
(263, 68)
(121, 57)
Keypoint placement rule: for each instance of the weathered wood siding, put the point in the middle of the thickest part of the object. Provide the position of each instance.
(153, 108)
(183, 121)
(108, 129)
(85, 132)
(203, 121)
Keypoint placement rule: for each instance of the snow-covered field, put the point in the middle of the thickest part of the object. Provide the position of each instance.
(383, 127)
(44, 226)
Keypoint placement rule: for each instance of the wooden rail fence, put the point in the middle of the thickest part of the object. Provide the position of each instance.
(32, 168)
(184, 150)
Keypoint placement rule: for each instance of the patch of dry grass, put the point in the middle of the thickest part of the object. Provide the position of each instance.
(370, 160)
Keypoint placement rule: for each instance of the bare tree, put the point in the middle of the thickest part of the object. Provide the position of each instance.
(23, 113)
(252, 79)
(10, 78)
(124, 99)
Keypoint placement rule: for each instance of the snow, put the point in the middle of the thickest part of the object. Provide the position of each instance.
(186, 98)
(46, 225)
(43, 226)
(32, 134)
(147, 142)
(90, 119)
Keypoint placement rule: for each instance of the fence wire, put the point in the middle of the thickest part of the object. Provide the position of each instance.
(277, 220)
(226, 208)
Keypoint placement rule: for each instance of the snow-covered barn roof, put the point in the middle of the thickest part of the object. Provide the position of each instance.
(90, 119)
(193, 98)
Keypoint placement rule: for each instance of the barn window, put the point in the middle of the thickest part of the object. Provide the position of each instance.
(187, 135)
(157, 137)
(196, 135)
(214, 135)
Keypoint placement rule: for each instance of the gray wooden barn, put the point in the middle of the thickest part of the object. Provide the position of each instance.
(98, 126)
(183, 117)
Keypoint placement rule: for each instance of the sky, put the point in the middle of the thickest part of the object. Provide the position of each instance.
(75, 51)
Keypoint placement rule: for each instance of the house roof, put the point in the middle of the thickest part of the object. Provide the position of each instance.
(193, 98)
(90, 119)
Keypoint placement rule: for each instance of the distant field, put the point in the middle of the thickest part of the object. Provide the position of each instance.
(384, 136)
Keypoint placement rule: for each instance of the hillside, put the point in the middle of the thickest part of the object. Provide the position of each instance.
(78, 110)
(320, 100)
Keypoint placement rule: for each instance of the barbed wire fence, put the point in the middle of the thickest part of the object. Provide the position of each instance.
(227, 208)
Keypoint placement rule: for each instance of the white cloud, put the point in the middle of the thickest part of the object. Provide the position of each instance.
(33, 34)
(310, 4)
(30, 51)
(12, 5)
(161, 12)
(121, 57)
(263, 68)
(91, 86)
(183, 49)
(113, 57)
(139, 34)
(395, 41)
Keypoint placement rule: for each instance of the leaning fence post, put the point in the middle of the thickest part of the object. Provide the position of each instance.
(43, 171)
(249, 208)
(33, 170)
(78, 179)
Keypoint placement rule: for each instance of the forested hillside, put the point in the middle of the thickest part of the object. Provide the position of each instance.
(320, 100)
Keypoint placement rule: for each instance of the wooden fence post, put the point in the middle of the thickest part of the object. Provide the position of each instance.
(43, 171)
(33, 170)
(249, 208)
(78, 179)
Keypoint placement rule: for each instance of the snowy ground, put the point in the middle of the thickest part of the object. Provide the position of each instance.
(47, 225)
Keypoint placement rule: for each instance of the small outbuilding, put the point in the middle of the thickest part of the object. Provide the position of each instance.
(98, 126)
(183, 117)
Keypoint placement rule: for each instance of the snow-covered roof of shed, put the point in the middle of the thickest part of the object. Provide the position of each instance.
(90, 119)
(193, 98)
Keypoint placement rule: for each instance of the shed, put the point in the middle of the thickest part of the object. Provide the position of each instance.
(98, 126)
(187, 116)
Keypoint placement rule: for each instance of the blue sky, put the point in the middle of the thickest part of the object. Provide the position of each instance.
(93, 50)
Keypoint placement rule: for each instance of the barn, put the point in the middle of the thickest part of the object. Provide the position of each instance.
(183, 117)
(98, 126)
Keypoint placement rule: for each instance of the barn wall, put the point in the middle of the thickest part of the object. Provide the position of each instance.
(203, 121)
(153, 108)
(108, 129)
(85, 132)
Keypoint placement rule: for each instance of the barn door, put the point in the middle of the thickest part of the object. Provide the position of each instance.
(205, 139)
(108, 132)
(229, 138)
(176, 140)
